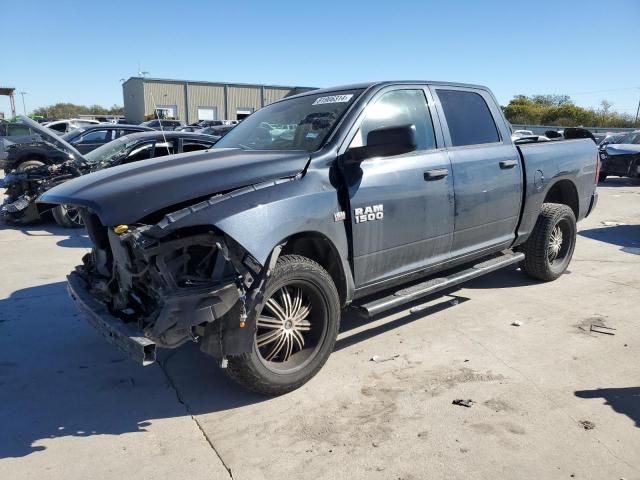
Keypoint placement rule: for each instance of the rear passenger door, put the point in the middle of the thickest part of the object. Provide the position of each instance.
(486, 167)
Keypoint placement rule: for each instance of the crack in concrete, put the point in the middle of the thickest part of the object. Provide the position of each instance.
(544, 395)
(162, 366)
(608, 280)
(602, 261)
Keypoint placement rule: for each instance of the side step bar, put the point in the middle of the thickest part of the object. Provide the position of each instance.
(435, 285)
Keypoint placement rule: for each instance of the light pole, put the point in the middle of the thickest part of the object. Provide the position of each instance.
(637, 112)
(24, 108)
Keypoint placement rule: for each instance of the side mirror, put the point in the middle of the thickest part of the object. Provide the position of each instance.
(384, 142)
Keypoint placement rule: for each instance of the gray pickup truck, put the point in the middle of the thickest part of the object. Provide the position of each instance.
(367, 196)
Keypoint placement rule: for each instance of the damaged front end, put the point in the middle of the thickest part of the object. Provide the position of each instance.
(196, 284)
(23, 188)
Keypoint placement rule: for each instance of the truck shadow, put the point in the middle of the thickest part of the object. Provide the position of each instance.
(616, 182)
(623, 400)
(59, 378)
(68, 237)
(509, 277)
(625, 236)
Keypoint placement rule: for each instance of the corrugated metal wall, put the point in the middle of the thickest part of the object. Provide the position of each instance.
(243, 97)
(133, 96)
(164, 94)
(205, 96)
(273, 94)
(141, 95)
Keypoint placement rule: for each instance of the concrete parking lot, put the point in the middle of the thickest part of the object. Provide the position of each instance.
(551, 398)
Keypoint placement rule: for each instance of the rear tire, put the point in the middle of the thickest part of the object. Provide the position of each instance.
(549, 249)
(300, 314)
(67, 216)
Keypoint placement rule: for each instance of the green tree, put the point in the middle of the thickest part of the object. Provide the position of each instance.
(559, 110)
(70, 110)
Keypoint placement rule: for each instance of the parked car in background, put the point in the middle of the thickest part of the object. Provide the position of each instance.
(210, 127)
(86, 139)
(217, 130)
(521, 133)
(621, 157)
(44, 148)
(64, 126)
(24, 186)
(253, 247)
(612, 138)
(12, 133)
(163, 124)
(206, 123)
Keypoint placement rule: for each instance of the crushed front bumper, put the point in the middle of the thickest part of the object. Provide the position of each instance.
(126, 337)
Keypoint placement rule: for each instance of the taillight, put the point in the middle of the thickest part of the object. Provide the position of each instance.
(597, 167)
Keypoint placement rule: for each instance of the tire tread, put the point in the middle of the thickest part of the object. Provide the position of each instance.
(240, 368)
(535, 262)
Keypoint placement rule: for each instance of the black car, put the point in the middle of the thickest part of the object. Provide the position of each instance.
(86, 139)
(23, 187)
(44, 149)
(621, 158)
(163, 124)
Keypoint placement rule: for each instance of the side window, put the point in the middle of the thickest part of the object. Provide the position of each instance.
(96, 136)
(468, 117)
(165, 148)
(195, 146)
(60, 127)
(141, 152)
(124, 131)
(397, 108)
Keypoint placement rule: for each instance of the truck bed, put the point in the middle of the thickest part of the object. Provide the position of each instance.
(546, 163)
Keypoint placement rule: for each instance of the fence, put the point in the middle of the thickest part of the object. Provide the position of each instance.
(540, 129)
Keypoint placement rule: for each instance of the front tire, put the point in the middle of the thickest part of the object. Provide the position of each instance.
(296, 329)
(67, 216)
(28, 165)
(549, 249)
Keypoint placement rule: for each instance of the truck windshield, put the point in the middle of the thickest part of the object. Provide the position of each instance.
(301, 123)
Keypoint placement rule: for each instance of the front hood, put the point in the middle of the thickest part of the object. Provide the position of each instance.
(50, 137)
(128, 193)
(623, 149)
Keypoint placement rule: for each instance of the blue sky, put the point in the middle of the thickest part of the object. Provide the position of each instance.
(78, 51)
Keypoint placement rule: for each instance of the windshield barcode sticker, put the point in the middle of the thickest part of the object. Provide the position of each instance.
(332, 99)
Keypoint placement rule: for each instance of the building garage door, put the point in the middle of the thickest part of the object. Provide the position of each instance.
(207, 113)
(243, 113)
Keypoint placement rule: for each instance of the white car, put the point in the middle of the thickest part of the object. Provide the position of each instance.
(63, 126)
(521, 133)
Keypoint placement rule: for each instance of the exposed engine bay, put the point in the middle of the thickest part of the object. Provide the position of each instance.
(23, 188)
(189, 285)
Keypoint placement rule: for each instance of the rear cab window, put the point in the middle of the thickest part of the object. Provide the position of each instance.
(468, 118)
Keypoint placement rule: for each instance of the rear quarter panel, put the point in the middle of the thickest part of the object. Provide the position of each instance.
(547, 163)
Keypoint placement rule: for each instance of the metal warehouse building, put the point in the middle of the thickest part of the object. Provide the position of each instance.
(191, 101)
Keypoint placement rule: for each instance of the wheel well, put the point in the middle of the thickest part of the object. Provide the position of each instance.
(564, 192)
(32, 156)
(319, 248)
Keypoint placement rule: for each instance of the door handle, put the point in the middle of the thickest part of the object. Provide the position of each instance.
(436, 174)
(508, 164)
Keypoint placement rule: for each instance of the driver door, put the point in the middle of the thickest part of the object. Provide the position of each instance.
(402, 207)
